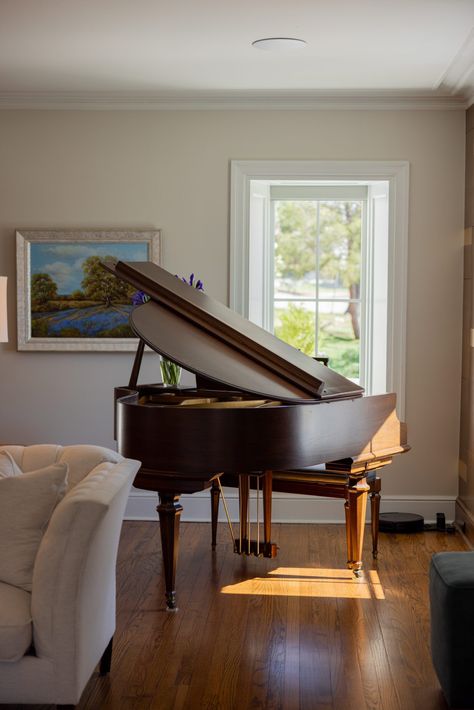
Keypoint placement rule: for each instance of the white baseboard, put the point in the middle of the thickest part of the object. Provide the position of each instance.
(288, 508)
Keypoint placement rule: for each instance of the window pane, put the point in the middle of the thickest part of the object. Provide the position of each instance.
(339, 337)
(295, 323)
(295, 247)
(340, 249)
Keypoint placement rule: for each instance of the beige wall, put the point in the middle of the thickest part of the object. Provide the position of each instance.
(171, 170)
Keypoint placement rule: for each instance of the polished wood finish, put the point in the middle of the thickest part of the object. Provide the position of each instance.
(267, 506)
(136, 364)
(243, 545)
(169, 511)
(183, 448)
(169, 488)
(256, 439)
(306, 414)
(330, 643)
(375, 485)
(355, 506)
(324, 483)
(209, 339)
(215, 496)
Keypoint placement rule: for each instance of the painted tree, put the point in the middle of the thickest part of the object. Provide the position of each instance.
(100, 285)
(43, 289)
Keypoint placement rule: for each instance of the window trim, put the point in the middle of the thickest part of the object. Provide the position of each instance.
(396, 173)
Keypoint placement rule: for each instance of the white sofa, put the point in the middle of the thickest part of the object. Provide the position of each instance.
(70, 614)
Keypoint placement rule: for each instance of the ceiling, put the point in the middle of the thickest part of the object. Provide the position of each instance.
(190, 50)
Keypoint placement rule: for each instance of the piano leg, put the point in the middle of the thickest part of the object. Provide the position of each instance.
(215, 497)
(375, 488)
(355, 507)
(244, 493)
(267, 514)
(169, 511)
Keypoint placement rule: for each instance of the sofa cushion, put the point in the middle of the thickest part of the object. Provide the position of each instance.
(27, 502)
(16, 628)
(8, 465)
(31, 458)
(82, 460)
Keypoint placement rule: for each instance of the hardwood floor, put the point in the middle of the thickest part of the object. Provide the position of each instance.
(297, 632)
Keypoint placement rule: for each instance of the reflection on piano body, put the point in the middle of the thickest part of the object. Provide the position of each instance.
(259, 406)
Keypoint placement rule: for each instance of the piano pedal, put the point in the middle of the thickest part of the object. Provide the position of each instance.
(251, 547)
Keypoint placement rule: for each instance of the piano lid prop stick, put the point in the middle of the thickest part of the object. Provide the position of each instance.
(229, 522)
(258, 514)
(137, 364)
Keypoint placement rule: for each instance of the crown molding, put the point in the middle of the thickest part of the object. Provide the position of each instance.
(458, 79)
(250, 100)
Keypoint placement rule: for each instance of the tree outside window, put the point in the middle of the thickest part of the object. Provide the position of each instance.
(317, 279)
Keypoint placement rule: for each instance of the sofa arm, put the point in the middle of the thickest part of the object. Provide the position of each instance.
(73, 596)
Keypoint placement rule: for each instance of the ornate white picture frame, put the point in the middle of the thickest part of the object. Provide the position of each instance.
(66, 301)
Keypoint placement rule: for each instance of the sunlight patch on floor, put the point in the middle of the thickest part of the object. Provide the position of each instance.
(311, 582)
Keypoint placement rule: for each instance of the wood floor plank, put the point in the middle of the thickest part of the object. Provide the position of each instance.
(298, 632)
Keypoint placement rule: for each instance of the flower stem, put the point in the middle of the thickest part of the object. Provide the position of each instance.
(170, 372)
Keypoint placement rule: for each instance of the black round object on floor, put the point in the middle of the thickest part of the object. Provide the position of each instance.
(401, 522)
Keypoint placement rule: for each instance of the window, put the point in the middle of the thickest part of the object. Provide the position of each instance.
(318, 255)
(318, 233)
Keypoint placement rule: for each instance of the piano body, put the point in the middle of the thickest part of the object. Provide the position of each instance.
(259, 406)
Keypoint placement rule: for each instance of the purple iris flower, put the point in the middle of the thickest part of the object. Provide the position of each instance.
(198, 285)
(139, 297)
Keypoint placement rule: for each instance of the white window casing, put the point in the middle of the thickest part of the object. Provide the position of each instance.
(384, 251)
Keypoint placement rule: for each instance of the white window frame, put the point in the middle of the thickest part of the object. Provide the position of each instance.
(396, 173)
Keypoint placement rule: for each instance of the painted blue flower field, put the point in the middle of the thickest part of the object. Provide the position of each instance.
(98, 321)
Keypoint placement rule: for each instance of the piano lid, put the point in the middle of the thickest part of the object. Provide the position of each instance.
(209, 339)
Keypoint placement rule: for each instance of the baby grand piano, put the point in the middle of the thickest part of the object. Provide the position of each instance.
(265, 407)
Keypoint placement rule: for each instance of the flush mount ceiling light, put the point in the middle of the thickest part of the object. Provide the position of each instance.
(279, 44)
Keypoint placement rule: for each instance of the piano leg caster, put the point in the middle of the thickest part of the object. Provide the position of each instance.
(171, 602)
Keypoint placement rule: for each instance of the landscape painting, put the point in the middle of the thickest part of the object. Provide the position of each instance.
(68, 301)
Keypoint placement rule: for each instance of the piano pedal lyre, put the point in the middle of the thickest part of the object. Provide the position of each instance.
(256, 548)
(245, 545)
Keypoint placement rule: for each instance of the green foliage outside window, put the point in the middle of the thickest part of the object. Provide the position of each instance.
(295, 325)
(335, 259)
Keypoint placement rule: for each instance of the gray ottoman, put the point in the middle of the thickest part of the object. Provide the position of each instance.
(452, 625)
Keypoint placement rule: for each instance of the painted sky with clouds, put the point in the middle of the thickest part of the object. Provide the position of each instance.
(63, 261)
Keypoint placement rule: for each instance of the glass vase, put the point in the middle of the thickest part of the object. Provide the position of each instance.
(170, 372)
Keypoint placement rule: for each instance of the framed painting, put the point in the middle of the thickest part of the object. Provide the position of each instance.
(66, 300)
